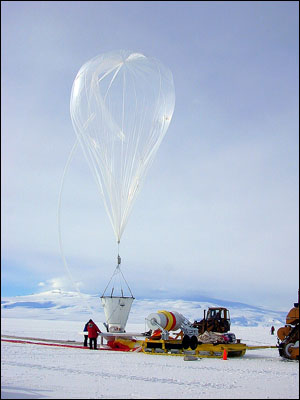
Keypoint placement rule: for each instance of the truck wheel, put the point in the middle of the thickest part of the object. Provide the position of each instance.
(193, 342)
(186, 342)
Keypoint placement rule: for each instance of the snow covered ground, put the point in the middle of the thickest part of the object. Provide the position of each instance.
(36, 372)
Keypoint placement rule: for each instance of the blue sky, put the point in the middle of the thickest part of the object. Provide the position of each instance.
(218, 214)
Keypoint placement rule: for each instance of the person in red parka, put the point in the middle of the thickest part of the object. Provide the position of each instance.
(93, 332)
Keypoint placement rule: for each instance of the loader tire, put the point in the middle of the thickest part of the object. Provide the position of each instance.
(286, 348)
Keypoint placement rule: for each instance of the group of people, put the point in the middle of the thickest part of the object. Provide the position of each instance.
(92, 333)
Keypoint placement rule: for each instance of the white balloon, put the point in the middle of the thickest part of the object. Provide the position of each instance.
(121, 107)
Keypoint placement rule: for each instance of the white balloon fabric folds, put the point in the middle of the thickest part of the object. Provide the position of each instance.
(121, 106)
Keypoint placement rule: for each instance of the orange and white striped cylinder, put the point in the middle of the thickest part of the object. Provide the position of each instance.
(170, 321)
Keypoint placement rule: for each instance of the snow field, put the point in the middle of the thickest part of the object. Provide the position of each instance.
(34, 371)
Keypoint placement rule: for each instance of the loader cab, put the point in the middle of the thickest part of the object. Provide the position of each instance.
(218, 313)
(216, 319)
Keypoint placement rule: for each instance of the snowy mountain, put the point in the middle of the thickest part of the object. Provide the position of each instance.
(73, 306)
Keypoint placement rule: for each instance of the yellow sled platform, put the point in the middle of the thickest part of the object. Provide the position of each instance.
(208, 350)
(204, 350)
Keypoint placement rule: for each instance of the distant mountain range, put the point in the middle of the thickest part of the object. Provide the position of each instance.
(73, 306)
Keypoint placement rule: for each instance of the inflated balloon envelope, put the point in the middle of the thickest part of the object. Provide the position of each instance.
(121, 106)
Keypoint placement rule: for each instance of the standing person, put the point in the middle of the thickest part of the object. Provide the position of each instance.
(272, 330)
(85, 335)
(93, 332)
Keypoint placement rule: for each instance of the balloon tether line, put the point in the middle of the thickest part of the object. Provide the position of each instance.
(59, 226)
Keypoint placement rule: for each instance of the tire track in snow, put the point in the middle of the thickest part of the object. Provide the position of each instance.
(103, 374)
